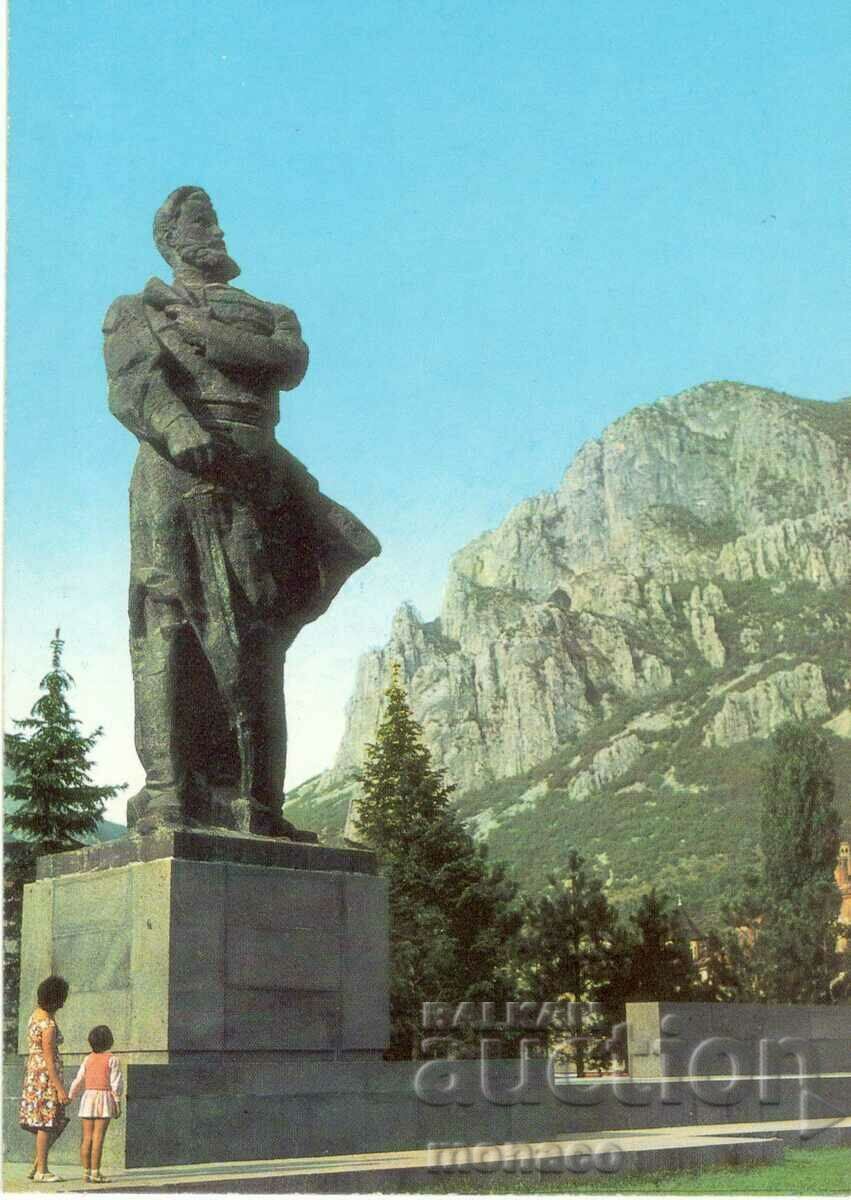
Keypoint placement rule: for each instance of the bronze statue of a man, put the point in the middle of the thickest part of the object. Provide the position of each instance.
(233, 546)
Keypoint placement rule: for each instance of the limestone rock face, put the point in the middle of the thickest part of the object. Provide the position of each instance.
(703, 605)
(566, 610)
(815, 549)
(607, 764)
(608, 662)
(799, 694)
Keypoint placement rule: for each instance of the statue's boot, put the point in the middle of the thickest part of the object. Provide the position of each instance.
(256, 811)
(151, 814)
(258, 808)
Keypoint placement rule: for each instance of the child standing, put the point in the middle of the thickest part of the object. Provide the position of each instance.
(99, 1079)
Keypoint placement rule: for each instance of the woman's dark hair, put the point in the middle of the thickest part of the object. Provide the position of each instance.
(101, 1039)
(52, 993)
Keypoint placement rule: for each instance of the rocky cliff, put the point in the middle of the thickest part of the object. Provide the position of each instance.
(682, 592)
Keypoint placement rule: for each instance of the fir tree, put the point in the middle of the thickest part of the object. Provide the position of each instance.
(572, 951)
(57, 806)
(452, 914)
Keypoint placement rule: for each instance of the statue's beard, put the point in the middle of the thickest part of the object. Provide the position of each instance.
(212, 260)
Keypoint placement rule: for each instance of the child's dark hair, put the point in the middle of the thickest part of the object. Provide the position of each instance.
(101, 1039)
(52, 993)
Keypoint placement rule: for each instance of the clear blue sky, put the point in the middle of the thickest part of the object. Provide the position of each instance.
(502, 225)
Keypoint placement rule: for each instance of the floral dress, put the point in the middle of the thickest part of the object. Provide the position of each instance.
(40, 1107)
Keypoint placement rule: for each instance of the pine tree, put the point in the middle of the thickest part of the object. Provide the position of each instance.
(572, 951)
(661, 965)
(452, 914)
(789, 910)
(57, 805)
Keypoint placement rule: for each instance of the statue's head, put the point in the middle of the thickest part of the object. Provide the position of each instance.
(186, 232)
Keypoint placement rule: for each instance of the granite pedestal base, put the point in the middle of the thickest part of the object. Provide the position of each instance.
(678, 1038)
(249, 1006)
(223, 974)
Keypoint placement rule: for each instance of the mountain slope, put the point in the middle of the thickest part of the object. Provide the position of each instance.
(609, 661)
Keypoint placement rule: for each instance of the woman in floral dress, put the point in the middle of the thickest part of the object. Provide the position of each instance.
(44, 1097)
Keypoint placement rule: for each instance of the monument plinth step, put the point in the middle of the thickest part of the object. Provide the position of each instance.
(206, 845)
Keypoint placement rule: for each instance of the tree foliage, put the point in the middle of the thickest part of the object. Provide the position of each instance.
(18, 870)
(661, 965)
(787, 913)
(799, 824)
(57, 805)
(575, 948)
(573, 952)
(452, 914)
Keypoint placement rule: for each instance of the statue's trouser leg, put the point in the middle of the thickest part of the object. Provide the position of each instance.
(154, 653)
(249, 673)
(265, 719)
(246, 656)
(260, 725)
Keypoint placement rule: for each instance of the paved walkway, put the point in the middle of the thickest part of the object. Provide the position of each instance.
(676, 1147)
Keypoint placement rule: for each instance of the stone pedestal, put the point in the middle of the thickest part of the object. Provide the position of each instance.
(675, 1038)
(224, 960)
